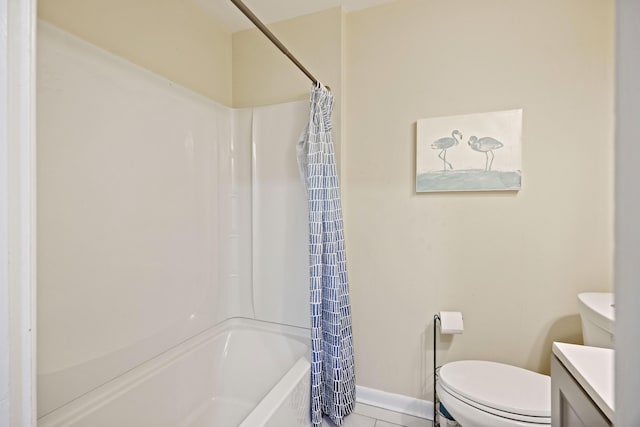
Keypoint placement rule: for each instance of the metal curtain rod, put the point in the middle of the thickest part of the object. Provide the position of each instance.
(256, 21)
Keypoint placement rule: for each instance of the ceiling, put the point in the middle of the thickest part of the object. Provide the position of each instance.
(270, 11)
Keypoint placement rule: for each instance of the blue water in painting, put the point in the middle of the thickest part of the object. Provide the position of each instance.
(468, 180)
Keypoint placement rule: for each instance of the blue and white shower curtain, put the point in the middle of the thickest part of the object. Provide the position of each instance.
(332, 365)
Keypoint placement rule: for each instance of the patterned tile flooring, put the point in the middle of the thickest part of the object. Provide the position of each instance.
(371, 416)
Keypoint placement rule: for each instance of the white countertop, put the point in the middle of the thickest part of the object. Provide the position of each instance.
(592, 367)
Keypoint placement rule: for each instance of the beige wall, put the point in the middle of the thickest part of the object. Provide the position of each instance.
(176, 39)
(511, 262)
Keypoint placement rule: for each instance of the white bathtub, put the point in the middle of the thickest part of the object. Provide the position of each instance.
(241, 373)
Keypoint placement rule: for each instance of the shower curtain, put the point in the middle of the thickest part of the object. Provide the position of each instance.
(332, 365)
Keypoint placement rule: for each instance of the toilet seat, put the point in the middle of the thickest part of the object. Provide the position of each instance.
(501, 390)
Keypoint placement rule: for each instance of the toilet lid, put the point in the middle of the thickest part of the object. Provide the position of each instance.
(502, 387)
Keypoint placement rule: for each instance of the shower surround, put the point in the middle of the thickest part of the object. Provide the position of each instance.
(169, 226)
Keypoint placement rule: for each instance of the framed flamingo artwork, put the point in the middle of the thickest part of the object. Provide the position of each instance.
(472, 152)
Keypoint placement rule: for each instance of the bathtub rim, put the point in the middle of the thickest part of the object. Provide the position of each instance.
(271, 403)
(105, 393)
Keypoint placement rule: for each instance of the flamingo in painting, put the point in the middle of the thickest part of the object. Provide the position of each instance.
(443, 144)
(485, 145)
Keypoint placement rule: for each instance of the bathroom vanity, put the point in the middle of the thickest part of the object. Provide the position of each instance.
(581, 386)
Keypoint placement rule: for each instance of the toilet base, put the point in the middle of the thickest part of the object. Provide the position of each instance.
(444, 418)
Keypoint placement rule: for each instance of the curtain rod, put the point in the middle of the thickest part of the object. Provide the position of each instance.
(256, 21)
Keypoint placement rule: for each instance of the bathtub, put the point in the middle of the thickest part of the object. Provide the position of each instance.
(242, 372)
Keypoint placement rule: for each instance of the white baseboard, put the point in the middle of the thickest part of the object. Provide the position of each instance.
(395, 402)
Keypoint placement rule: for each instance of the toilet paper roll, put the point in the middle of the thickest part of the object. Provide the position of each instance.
(451, 322)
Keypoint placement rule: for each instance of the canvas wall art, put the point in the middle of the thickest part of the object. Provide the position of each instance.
(473, 152)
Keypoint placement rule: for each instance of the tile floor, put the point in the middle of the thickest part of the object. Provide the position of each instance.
(372, 416)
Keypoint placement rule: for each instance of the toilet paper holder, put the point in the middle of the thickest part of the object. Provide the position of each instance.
(453, 324)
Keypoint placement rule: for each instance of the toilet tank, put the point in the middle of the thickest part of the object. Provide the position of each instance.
(597, 315)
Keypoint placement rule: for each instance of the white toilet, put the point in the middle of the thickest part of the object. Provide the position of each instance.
(598, 317)
(489, 394)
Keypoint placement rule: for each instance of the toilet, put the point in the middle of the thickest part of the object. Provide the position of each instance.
(489, 394)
